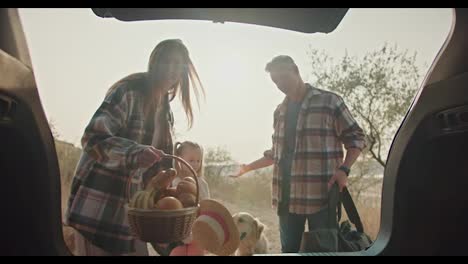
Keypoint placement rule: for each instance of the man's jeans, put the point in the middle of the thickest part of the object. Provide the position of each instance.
(292, 226)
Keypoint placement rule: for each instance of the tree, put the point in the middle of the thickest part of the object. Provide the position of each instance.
(218, 161)
(378, 88)
(253, 186)
(218, 155)
(363, 179)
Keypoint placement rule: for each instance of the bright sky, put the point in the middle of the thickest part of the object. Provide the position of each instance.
(77, 56)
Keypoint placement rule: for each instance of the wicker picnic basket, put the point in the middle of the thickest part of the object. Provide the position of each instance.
(163, 226)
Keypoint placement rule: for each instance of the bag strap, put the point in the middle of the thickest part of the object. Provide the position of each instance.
(337, 198)
(351, 210)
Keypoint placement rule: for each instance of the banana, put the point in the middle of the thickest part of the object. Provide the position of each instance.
(141, 197)
(134, 200)
(143, 200)
(150, 202)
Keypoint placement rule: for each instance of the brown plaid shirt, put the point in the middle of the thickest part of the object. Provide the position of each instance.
(324, 126)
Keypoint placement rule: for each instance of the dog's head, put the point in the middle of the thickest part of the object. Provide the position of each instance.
(250, 228)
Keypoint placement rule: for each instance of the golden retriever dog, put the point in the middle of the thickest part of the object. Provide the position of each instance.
(252, 239)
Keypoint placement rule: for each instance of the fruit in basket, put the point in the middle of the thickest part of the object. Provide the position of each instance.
(189, 179)
(162, 180)
(140, 200)
(171, 172)
(152, 195)
(186, 187)
(171, 192)
(168, 178)
(187, 199)
(158, 194)
(154, 181)
(134, 202)
(168, 203)
(155, 196)
(146, 199)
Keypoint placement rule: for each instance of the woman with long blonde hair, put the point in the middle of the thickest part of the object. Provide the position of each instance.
(123, 143)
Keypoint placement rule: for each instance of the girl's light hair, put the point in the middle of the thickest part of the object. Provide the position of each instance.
(179, 148)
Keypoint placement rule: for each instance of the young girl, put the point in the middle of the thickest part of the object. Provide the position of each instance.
(193, 154)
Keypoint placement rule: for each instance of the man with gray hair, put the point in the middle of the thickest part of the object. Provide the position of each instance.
(311, 126)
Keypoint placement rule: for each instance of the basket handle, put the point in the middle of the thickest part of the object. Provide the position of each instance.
(168, 156)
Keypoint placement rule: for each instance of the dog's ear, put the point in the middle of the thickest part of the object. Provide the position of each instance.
(259, 227)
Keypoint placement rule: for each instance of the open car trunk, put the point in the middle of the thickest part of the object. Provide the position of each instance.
(424, 199)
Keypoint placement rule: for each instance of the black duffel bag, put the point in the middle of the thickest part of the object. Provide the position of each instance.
(337, 237)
